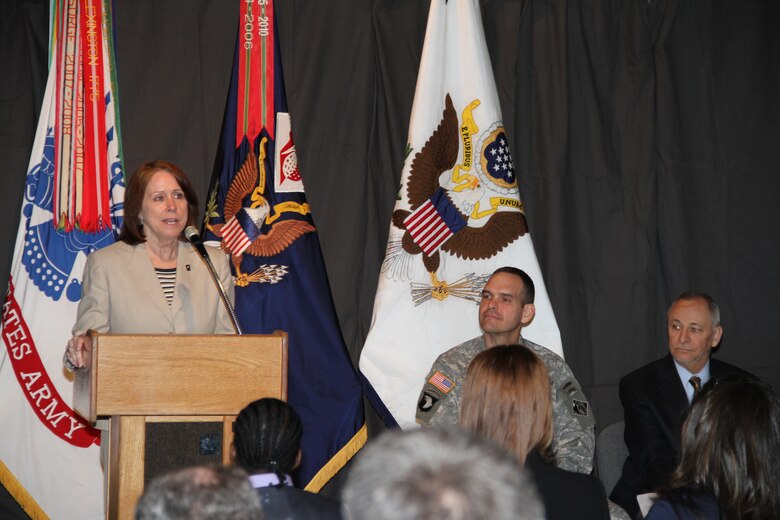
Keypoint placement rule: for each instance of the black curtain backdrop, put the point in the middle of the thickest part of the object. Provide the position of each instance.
(647, 134)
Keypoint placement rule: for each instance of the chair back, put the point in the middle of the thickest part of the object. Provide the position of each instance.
(611, 453)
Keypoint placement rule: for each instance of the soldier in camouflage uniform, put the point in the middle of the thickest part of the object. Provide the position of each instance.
(507, 306)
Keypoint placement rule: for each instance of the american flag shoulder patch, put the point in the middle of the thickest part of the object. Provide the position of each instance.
(441, 382)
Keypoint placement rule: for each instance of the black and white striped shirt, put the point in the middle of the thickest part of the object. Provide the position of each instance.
(167, 278)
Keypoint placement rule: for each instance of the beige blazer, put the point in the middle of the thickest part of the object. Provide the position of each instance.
(120, 293)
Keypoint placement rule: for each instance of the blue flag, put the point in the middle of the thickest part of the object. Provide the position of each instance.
(257, 211)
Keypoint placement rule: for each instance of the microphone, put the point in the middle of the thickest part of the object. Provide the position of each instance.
(194, 237)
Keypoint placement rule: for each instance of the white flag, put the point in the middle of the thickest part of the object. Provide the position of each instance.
(49, 456)
(458, 218)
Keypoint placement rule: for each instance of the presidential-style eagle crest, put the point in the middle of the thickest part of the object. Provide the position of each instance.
(241, 228)
(469, 209)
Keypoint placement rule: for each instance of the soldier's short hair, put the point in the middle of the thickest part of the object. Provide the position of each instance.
(529, 291)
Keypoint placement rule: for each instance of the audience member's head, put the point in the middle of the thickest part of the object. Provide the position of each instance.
(442, 474)
(200, 493)
(506, 398)
(731, 448)
(267, 437)
(693, 325)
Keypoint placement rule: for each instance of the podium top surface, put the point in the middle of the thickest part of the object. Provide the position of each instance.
(148, 374)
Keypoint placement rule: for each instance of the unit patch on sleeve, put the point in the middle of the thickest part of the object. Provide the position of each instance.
(427, 401)
(435, 392)
(579, 407)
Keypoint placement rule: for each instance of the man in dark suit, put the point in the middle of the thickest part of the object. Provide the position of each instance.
(656, 397)
(266, 443)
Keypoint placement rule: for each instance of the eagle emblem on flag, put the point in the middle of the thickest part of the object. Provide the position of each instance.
(241, 232)
(470, 209)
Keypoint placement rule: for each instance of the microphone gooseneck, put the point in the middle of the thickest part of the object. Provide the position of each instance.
(191, 233)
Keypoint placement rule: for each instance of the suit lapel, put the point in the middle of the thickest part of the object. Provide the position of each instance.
(148, 282)
(186, 263)
(673, 401)
(718, 369)
(670, 385)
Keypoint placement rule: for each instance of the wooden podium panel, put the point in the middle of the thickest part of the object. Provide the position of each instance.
(135, 379)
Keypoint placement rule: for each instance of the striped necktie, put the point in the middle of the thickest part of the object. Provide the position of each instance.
(695, 382)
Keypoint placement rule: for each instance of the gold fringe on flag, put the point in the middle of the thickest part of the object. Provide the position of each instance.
(338, 461)
(17, 491)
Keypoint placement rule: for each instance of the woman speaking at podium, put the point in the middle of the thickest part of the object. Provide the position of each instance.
(152, 280)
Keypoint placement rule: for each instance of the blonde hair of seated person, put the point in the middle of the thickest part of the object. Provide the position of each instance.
(507, 399)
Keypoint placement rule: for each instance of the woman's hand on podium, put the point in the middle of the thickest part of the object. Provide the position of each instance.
(78, 352)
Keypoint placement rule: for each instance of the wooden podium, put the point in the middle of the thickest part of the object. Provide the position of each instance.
(136, 379)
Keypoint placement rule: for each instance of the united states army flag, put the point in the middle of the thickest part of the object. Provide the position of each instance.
(72, 205)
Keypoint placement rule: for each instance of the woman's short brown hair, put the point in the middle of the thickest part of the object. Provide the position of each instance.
(132, 229)
(507, 399)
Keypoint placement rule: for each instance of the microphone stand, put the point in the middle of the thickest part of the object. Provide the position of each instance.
(192, 235)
